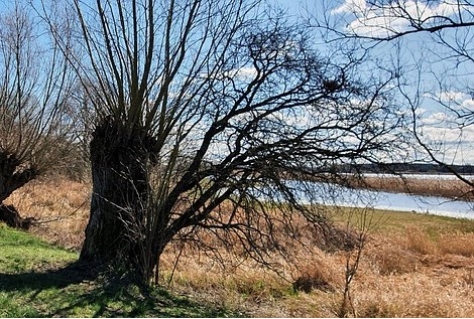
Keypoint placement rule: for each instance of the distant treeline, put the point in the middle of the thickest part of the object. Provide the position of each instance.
(419, 168)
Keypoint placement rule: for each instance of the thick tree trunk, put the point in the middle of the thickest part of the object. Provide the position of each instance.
(116, 229)
(14, 174)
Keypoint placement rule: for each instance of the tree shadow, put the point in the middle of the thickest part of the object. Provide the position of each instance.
(73, 273)
(78, 290)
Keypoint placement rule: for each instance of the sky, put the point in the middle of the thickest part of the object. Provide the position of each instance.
(436, 82)
(438, 87)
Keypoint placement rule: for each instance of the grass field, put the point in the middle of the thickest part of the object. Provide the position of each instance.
(413, 265)
(38, 279)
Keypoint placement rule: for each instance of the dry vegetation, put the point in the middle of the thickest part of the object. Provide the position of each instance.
(414, 265)
(430, 187)
(59, 206)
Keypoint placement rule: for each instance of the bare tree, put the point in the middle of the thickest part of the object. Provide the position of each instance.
(205, 112)
(443, 32)
(33, 95)
(388, 20)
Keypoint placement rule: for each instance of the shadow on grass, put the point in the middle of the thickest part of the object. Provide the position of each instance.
(76, 291)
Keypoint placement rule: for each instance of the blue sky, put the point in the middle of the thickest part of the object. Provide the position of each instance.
(436, 83)
(439, 80)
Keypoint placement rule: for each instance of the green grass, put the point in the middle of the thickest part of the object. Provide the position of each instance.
(22, 252)
(41, 280)
(395, 222)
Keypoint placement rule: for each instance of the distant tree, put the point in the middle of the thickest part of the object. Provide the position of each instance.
(205, 111)
(34, 83)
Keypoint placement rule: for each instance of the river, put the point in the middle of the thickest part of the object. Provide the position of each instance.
(328, 194)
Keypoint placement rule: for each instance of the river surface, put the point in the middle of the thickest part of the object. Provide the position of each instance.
(322, 193)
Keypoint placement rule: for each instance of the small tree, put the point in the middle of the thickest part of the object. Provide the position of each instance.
(206, 110)
(33, 95)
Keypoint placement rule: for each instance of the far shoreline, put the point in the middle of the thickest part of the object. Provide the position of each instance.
(440, 187)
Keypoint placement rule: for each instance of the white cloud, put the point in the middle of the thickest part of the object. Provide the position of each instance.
(449, 141)
(420, 111)
(452, 96)
(385, 20)
(468, 105)
(435, 118)
(350, 6)
(244, 73)
(456, 100)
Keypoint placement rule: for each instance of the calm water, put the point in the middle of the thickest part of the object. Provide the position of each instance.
(414, 203)
(328, 194)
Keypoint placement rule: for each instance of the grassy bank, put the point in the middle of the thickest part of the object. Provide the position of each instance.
(413, 265)
(39, 280)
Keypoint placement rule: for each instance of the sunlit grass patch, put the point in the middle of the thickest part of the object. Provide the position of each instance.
(22, 252)
(395, 222)
(38, 280)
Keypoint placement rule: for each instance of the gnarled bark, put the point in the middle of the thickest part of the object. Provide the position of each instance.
(115, 232)
(14, 174)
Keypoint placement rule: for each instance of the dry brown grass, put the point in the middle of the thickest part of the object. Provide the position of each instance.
(430, 187)
(427, 293)
(392, 259)
(61, 208)
(457, 244)
(418, 241)
(413, 265)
